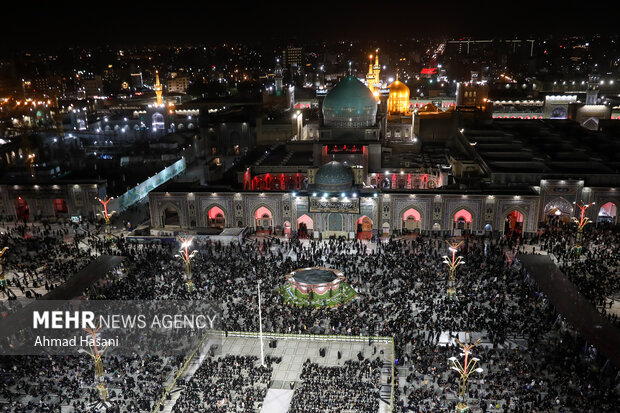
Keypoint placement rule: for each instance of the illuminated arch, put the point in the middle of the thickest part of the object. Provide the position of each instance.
(463, 214)
(364, 227)
(514, 222)
(463, 219)
(411, 219)
(21, 209)
(558, 207)
(263, 217)
(216, 218)
(412, 213)
(60, 207)
(306, 220)
(608, 212)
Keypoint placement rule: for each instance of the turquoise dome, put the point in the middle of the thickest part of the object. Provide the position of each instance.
(350, 104)
(333, 177)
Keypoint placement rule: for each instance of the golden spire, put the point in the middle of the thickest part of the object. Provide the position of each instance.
(158, 89)
(377, 73)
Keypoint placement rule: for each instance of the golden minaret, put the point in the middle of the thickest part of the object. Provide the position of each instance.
(370, 76)
(377, 72)
(158, 90)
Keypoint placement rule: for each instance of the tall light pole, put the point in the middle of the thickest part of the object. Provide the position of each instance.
(260, 328)
(452, 264)
(581, 222)
(3, 281)
(96, 354)
(105, 213)
(465, 370)
(186, 256)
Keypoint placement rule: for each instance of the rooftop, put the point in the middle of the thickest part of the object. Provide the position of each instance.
(549, 147)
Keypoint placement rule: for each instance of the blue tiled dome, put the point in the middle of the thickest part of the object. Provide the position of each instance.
(350, 104)
(333, 177)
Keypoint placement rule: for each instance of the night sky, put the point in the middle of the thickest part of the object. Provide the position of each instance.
(129, 23)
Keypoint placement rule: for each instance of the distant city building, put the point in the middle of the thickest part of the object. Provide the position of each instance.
(9, 83)
(473, 94)
(93, 86)
(292, 56)
(136, 80)
(178, 84)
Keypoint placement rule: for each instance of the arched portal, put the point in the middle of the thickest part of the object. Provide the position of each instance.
(335, 222)
(412, 220)
(364, 228)
(60, 207)
(263, 219)
(558, 210)
(463, 220)
(305, 226)
(608, 213)
(216, 217)
(157, 121)
(513, 223)
(385, 229)
(171, 217)
(287, 228)
(21, 209)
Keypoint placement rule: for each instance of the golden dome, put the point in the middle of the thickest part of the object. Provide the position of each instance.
(399, 98)
(398, 86)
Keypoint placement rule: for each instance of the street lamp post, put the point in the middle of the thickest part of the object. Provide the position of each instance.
(581, 222)
(186, 256)
(452, 264)
(465, 370)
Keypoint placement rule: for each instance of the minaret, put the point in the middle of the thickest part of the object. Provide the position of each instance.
(278, 78)
(377, 70)
(370, 76)
(158, 90)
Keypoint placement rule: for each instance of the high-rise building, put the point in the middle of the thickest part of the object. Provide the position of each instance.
(136, 80)
(292, 56)
(178, 84)
(93, 86)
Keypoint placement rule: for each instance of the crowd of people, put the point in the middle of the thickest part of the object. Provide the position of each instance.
(531, 362)
(351, 387)
(36, 384)
(228, 384)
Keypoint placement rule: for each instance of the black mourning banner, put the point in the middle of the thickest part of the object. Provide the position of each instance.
(347, 205)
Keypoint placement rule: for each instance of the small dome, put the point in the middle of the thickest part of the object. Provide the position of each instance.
(333, 177)
(350, 104)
